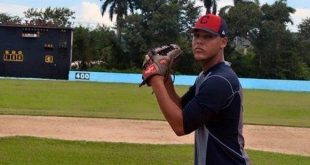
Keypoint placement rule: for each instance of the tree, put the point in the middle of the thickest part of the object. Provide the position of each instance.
(210, 4)
(120, 8)
(243, 19)
(188, 14)
(304, 28)
(141, 28)
(278, 12)
(81, 46)
(94, 45)
(275, 47)
(5, 18)
(160, 22)
(304, 42)
(57, 16)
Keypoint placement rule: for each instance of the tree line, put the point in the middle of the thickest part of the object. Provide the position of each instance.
(260, 44)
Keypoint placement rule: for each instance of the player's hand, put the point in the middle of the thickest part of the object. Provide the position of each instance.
(160, 61)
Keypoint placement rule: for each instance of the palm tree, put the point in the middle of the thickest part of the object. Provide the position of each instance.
(208, 4)
(225, 9)
(120, 8)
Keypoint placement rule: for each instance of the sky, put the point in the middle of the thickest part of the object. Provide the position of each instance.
(87, 12)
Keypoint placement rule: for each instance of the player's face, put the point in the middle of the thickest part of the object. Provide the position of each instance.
(206, 45)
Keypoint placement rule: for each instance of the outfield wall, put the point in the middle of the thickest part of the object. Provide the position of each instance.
(247, 83)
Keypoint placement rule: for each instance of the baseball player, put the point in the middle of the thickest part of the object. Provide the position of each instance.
(212, 107)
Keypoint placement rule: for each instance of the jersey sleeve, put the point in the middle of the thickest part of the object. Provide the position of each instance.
(214, 94)
(189, 95)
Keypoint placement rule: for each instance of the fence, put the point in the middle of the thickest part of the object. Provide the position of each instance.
(247, 83)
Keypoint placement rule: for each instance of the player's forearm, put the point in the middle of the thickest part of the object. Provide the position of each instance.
(172, 93)
(169, 108)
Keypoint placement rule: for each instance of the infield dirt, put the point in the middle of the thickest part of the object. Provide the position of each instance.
(288, 140)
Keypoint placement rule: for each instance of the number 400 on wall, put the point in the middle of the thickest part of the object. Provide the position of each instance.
(82, 76)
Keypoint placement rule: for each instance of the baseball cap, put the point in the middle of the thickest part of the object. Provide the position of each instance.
(211, 23)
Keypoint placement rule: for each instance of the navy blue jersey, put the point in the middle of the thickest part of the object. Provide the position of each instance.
(213, 109)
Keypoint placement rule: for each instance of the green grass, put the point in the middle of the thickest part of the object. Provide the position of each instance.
(277, 108)
(38, 151)
(270, 158)
(90, 99)
(87, 99)
(109, 100)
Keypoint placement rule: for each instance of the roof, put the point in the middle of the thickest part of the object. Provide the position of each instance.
(47, 26)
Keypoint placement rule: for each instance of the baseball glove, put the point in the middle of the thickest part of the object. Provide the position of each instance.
(160, 61)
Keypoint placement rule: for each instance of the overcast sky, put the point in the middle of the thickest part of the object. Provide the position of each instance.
(88, 11)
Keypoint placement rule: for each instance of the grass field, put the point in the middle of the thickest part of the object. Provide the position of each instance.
(38, 151)
(87, 99)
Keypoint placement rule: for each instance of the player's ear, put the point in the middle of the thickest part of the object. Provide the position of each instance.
(224, 41)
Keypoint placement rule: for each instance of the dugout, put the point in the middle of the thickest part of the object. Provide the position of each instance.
(32, 51)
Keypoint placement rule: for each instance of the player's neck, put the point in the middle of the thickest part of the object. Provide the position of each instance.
(206, 65)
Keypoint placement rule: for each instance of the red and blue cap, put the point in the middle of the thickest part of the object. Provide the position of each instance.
(211, 23)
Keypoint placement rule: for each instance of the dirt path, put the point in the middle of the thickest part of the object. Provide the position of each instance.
(266, 138)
